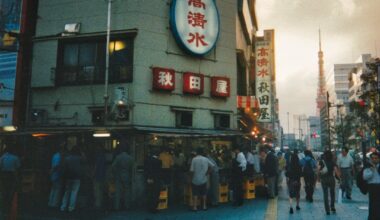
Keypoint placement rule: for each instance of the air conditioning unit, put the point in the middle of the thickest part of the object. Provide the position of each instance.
(71, 29)
(38, 116)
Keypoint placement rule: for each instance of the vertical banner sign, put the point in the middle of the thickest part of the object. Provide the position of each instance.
(10, 14)
(263, 80)
(195, 25)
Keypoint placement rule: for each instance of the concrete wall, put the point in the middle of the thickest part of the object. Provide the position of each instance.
(154, 45)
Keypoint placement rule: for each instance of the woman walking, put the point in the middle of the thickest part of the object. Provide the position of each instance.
(293, 176)
(309, 166)
(327, 169)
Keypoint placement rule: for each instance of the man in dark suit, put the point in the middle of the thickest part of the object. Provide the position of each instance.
(270, 169)
(153, 180)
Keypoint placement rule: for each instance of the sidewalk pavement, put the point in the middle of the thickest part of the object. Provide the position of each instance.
(348, 209)
(259, 208)
(252, 209)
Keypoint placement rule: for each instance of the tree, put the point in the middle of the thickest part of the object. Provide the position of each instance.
(367, 108)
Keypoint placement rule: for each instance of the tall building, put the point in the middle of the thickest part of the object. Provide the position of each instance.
(321, 93)
(341, 81)
(322, 108)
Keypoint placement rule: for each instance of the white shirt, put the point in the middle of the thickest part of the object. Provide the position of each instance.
(242, 161)
(371, 176)
(345, 161)
(199, 167)
(250, 158)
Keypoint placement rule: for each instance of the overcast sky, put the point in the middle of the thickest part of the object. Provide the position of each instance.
(349, 28)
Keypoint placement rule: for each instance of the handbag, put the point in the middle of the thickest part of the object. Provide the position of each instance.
(324, 170)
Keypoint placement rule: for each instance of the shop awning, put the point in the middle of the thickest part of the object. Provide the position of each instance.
(159, 131)
(173, 132)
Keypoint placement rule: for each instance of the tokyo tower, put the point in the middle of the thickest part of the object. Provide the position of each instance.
(321, 92)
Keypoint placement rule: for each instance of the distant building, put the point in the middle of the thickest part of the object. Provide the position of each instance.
(290, 141)
(315, 133)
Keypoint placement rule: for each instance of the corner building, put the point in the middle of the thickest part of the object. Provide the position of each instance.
(150, 102)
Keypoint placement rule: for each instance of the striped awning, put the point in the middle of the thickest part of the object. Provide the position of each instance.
(247, 102)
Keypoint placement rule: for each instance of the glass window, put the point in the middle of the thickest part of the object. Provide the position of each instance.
(82, 61)
(221, 121)
(184, 118)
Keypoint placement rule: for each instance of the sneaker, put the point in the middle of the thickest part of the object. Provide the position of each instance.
(327, 213)
(348, 197)
(291, 210)
(298, 208)
(333, 209)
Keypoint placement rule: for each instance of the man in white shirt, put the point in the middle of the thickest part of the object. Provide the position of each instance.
(200, 168)
(239, 165)
(346, 166)
(371, 174)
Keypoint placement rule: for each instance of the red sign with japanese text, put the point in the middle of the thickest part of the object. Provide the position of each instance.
(220, 86)
(163, 79)
(193, 83)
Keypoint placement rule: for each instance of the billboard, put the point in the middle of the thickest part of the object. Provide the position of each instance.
(10, 15)
(264, 80)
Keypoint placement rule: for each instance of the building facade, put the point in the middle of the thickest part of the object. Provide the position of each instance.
(171, 81)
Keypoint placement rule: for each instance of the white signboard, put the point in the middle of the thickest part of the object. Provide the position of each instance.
(263, 80)
(195, 25)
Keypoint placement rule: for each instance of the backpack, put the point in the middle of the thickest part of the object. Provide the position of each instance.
(308, 170)
(361, 183)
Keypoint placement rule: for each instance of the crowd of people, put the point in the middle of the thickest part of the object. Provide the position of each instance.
(204, 169)
(330, 170)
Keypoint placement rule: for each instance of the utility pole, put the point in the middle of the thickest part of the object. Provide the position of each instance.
(328, 119)
(106, 74)
(339, 114)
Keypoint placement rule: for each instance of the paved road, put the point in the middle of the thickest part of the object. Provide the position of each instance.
(348, 209)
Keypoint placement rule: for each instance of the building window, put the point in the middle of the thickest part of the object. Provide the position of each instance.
(221, 121)
(82, 61)
(183, 118)
(97, 116)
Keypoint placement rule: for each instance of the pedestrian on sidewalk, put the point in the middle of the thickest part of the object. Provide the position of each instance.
(9, 176)
(200, 168)
(214, 180)
(372, 175)
(99, 176)
(327, 172)
(153, 177)
(239, 165)
(309, 166)
(122, 167)
(346, 168)
(270, 168)
(293, 178)
(56, 177)
(281, 168)
(72, 174)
